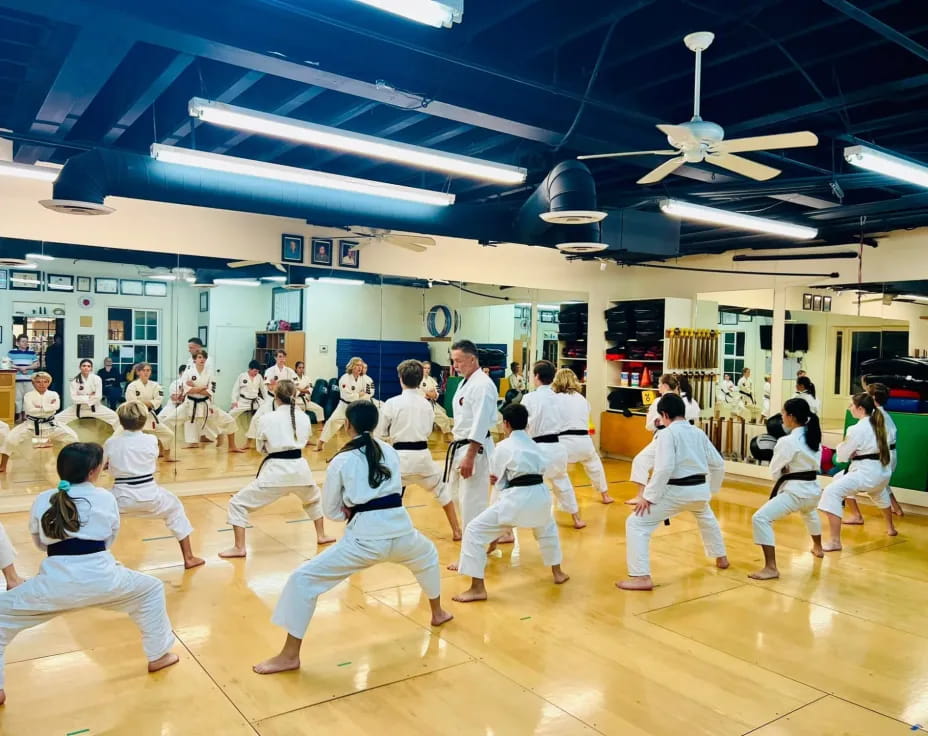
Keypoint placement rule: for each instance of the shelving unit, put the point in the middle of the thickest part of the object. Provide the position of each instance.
(267, 343)
(572, 335)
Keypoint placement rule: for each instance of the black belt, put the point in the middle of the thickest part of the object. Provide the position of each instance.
(77, 409)
(529, 479)
(892, 446)
(449, 455)
(798, 475)
(575, 433)
(750, 396)
(422, 445)
(255, 402)
(73, 546)
(344, 401)
(36, 421)
(545, 439)
(393, 501)
(197, 400)
(874, 456)
(135, 480)
(687, 480)
(280, 455)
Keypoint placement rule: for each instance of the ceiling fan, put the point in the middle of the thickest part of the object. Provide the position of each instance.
(704, 141)
(245, 264)
(415, 243)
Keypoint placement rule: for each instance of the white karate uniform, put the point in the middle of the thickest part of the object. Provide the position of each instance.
(814, 404)
(644, 460)
(575, 412)
(891, 435)
(863, 476)
(385, 535)
(681, 450)
(517, 382)
(692, 410)
(279, 476)
(4, 432)
(349, 389)
(248, 394)
(746, 392)
(726, 394)
(767, 389)
(210, 367)
(440, 418)
(200, 415)
(474, 415)
(305, 383)
(408, 418)
(42, 407)
(791, 455)
(544, 418)
(7, 553)
(86, 398)
(517, 506)
(133, 457)
(271, 376)
(153, 394)
(68, 582)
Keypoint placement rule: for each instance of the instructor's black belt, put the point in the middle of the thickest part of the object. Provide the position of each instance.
(687, 480)
(798, 475)
(545, 439)
(36, 421)
(421, 445)
(393, 501)
(73, 546)
(453, 447)
(280, 455)
(77, 409)
(574, 433)
(529, 479)
(135, 480)
(197, 400)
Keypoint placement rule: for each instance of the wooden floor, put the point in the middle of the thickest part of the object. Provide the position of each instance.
(837, 646)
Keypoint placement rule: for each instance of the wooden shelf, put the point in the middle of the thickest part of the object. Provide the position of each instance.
(292, 341)
(632, 360)
(569, 357)
(635, 388)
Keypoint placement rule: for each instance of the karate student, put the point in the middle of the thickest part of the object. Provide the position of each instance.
(132, 458)
(304, 389)
(516, 379)
(467, 462)
(406, 420)
(76, 524)
(686, 393)
(805, 390)
(362, 485)
(746, 388)
(151, 395)
(767, 389)
(687, 471)
(41, 425)
(86, 391)
(522, 500)
(429, 389)
(176, 389)
(280, 371)
(249, 394)
(866, 446)
(282, 434)
(725, 393)
(7, 556)
(796, 463)
(350, 388)
(194, 346)
(198, 412)
(575, 437)
(880, 394)
(643, 462)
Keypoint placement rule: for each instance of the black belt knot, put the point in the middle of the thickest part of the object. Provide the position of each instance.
(197, 400)
(36, 421)
(77, 409)
(280, 455)
(392, 501)
(798, 475)
(453, 447)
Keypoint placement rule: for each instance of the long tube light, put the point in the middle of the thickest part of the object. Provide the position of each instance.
(27, 171)
(887, 164)
(712, 215)
(277, 172)
(277, 126)
(428, 12)
(236, 282)
(340, 282)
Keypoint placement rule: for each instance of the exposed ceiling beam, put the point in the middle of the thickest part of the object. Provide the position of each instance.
(886, 31)
(239, 86)
(440, 137)
(908, 202)
(336, 121)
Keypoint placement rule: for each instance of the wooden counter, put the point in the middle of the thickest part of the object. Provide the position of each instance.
(623, 436)
(8, 396)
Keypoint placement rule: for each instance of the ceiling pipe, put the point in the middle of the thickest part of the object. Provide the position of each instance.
(797, 257)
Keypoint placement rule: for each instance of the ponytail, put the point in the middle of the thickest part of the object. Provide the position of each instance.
(75, 464)
(800, 410)
(285, 392)
(363, 416)
(865, 401)
(61, 516)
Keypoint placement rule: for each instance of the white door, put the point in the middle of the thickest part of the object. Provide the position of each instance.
(233, 348)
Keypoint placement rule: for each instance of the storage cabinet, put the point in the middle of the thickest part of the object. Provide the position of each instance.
(268, 343)
(8, 396)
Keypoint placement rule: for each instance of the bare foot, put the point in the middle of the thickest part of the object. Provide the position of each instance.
(206, 439)
(470, 595)
(325, 540)
(560, 578)
(507, 538)
(2, 697)
(817, 551)
(897, 509)
(853, 521)
(233, 552)
(280, 663)
(643, 582)
(166, 661)
(722, 563)
(14, 581)
(2, 470)
(492, 548)
(765, 573)
(892, 533)
(441, 618)
(319, 447)
(237, 449)
(831, 547)
(192, 446)
(193, 562)
(607, 498)
(579, 523)
(453, 566)
(169, 460)
(456, 535)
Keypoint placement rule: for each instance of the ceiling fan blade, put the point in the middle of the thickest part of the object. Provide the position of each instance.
(667, 152)
(766, 142)
(743, 166)
(415, 248)
(422, 240)
(361, 245)
(668, 167)
(677, 133)
(244, 264)
(278, 266)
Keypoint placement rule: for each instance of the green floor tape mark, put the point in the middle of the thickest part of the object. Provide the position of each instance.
(153, 539)
(83, 730)
(525, 618)
(343, 664)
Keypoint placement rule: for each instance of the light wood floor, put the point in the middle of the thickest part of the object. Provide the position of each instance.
(838, 646)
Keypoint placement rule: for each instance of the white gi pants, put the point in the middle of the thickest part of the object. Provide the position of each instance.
(265, 408)
(581, 450)
(472, 494)
(310, 406)
(442, 420)
(419, 468)
(67, 583)
(7, 553)
(151, 501)
(556, 475)
(638, 529)
(22, 388)
(349, 555)
(24, 432)
(334, 422)
(198, 420)
(103, 413)
(527, 506)
(642, 464)
(274, 482)
(863, 476)
(783, 504)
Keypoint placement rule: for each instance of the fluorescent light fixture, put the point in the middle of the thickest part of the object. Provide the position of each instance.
(39, 257)
(699, 213)
(886, 163)
(18, 280)
(342, 282)
(428, 12)
(26, 266)
(249, 167)
(236, 282)
(28, 171)
(914, 297)
(276, 279)
(549, 306)
(277, 126)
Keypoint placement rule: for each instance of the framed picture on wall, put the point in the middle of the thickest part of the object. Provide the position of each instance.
(85, 347)
(817, 303)
(204, 301)
(156, 288)
(59, 282)
(826, 303)
(728, 318)
(106, 285)
(348, 254)
(291, 248)
(26, 280)
(4, 284)
(83, 283)
(202, 333)
(130, 287)
(807, 301)
(321, 252)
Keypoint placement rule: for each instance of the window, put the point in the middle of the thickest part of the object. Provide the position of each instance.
(733, 354)
(134, 336)
(866, 345)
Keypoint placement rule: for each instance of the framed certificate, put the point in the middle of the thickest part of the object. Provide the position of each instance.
(130, 287)
(26, 280)
(59, 282)
(106, 285)
(156, 288)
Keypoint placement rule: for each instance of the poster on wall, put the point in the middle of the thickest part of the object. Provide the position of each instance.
(85, 347)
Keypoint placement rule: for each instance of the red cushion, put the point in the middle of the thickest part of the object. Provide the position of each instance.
(904, 393)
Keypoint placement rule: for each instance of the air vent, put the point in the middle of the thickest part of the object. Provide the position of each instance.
(581, 248)
(75, 207)
(572, 217)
